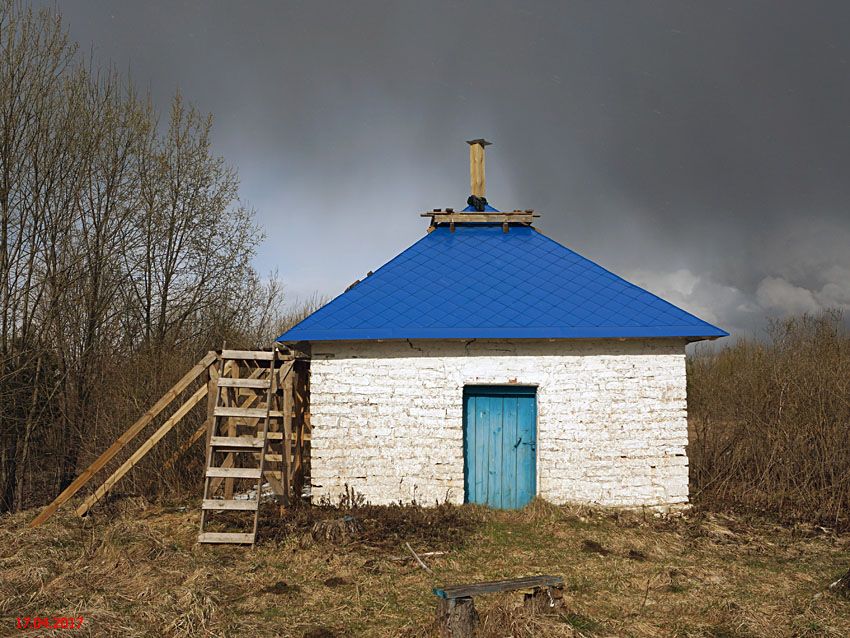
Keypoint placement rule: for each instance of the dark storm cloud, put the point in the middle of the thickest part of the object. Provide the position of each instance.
(700, 149)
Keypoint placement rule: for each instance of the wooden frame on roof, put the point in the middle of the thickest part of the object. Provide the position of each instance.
(452, 217)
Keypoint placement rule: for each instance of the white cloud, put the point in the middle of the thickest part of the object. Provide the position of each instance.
(740, 312)
(835, 293)
(780, 296)
(715, 302)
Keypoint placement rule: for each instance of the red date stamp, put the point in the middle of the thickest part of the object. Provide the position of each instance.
(48, 622)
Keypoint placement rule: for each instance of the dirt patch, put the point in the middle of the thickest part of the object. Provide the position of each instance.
(336, 581)
(593, 547)
(281, 587)
(382, 527)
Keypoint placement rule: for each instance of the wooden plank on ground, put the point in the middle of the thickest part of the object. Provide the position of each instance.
(125, 438)
(528, 582)
(144, 448)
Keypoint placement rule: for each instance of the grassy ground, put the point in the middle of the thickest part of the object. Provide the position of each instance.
(134, 570)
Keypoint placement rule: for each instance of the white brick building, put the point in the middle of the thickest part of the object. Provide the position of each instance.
(489, 364)
(611, 421)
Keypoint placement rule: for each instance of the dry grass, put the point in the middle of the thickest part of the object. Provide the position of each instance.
(136, 571)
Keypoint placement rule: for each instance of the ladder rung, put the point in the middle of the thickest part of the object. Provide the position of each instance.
(227, 382)
(225, 537)
(271, 436)
(274, 458)
(230, 504)
(247, 442)
(233, 472)
(251, 413)
(250, 355)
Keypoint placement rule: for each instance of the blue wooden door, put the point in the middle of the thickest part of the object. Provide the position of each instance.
(500, 445)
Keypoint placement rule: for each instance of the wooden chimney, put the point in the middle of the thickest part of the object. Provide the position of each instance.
(477, 184)
(472, 215)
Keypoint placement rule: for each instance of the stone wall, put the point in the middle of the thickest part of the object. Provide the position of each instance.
(612, 425)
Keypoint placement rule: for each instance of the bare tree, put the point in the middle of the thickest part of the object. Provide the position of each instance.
(197, 239)
(122, 247)
(35, 55)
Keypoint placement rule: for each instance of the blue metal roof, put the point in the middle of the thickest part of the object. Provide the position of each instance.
(480, 282)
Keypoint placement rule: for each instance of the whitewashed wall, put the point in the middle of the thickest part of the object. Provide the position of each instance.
(612, 425)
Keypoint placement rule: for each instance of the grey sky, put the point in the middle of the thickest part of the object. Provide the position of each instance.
(702, 150)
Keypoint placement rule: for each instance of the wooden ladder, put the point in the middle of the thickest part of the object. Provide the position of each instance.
(236, 456)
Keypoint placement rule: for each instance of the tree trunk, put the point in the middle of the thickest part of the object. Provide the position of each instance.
(456, 618)
(10, 469)
(27, 437)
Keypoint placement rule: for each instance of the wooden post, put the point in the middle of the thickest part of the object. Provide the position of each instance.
(456, 618)
(212, 398)
(233, 394)
(543, 599)
(298, 463)
(477, 184)
(288, 392)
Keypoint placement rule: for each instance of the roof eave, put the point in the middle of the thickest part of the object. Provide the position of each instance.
(687, 333)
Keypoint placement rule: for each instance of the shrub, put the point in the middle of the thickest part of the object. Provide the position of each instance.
(770, 422)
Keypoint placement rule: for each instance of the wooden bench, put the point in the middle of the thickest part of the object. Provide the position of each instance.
(456, 615)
